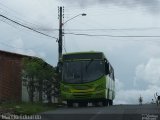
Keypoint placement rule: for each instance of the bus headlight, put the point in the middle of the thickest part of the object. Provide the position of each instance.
(65, 88)
(100, 87)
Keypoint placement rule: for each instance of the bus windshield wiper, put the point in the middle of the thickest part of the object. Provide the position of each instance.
(87, 66)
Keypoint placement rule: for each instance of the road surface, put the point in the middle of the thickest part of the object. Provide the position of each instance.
(116, 112)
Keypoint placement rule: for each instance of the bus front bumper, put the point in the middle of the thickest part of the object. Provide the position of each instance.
(83, 95)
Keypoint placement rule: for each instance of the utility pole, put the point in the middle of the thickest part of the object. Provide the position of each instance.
(60, 35)
(60, 42)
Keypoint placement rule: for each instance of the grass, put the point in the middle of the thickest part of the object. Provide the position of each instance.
(27, 108)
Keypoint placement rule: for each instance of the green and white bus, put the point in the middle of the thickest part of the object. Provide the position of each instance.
(87, 77)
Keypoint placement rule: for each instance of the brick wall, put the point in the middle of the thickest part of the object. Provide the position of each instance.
(10, 76)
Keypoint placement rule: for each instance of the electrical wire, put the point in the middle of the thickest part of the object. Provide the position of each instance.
(20, 24)
(109, 29)
(10, 10)
(115, 29)
(92, 35)
(7, 22)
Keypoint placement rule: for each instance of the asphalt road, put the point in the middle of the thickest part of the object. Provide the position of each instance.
(116, 112)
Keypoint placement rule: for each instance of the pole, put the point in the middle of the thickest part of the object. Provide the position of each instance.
(60, 35)
(60, 53)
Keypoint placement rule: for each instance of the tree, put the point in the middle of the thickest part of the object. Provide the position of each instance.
(38, 76)
(29, 76)
(48, 83)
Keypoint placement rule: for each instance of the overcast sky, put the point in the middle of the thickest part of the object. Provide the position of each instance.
(136, 61)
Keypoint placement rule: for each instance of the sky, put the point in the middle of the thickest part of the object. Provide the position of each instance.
(136, 60)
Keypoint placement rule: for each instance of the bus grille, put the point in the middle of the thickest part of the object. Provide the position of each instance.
(82, 95)
(81, 87)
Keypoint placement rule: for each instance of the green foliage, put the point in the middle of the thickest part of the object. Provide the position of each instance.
(38, 76)
(36, 68)
(27, 108)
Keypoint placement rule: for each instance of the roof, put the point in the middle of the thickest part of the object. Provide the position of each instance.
(21, 55)
(16, 54)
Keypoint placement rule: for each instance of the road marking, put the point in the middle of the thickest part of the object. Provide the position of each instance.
(96, 115)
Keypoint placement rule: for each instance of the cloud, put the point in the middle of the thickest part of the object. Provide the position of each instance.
(131, 96)
(149, 72)
(19, 47)
(119, 84)
(38, 12)
(126, 96)
(151, 5)
(150, 50)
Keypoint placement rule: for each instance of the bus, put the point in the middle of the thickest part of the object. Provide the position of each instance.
(87, 77)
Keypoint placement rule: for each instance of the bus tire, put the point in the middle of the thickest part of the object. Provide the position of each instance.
(82, 104)
(69, 104)
(110, 102)
(105, 102)
(95, 104)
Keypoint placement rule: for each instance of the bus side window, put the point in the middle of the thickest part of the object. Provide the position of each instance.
(106, 68)
(113, 75)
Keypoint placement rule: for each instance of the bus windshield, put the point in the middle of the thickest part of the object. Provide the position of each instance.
(82, 71)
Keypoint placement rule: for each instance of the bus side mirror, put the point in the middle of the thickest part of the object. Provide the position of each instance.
(106, 68)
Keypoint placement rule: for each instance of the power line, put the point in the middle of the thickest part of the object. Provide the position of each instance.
(114, 29)
(109, 29)
(92, 35)
(25, 22)
(17, 13)
(26, 26)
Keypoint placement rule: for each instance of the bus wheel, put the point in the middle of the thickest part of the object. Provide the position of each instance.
(110, 102)
(105, 102)
(69, 104)
(94, 104)
(82, 104)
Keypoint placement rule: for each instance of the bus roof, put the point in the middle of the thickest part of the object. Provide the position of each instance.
(82, 52)
(84, 55)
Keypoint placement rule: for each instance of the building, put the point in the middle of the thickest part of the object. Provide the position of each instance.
(11, 87)
(10, 76)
